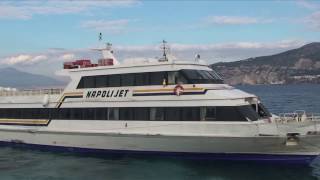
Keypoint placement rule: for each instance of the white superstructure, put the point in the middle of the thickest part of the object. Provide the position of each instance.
(165, 107)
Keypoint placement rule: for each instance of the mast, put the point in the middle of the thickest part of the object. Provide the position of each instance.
(165, 49)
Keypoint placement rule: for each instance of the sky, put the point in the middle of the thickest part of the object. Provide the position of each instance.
(38, 36)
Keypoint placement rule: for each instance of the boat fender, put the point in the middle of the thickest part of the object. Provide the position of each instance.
(178, 90)
(45, 101)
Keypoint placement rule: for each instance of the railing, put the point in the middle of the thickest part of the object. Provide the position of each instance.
(297, 116)
(31, 92)
(315, 117)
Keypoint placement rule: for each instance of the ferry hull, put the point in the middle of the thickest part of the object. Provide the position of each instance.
(265, 158)
(266, 149)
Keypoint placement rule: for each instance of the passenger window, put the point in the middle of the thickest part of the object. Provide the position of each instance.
(76, 113)
(126, 114)
(88, 113)
(141, 79)
(210, 114)
(180, 79)
(190, 113)
(101, 114)
(248, 112)
(141, 113)
(127, 80)
(114, 80)
(89, 82)
(44, 113)
(229, 114)
(156, 114)
(175, 77)
(81, 83)
(172, 114)
(113, 114)
(156, 78)
(64, 113)
(101, 81)
(172, 77)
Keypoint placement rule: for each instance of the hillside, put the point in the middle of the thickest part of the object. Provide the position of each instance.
(10, 77)
(301, 65)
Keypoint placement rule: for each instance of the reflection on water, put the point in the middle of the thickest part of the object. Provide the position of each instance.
(19, 164)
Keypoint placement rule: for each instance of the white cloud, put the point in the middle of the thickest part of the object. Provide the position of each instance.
(218, 46)
(12, 12)
(308, 4)
(67, 57)
(111, 26)
(38, 58)
(137, 48)
(50, 61)
(313, 21)
(23, 59)
(27, 9)
(235, 20)
(210, 52)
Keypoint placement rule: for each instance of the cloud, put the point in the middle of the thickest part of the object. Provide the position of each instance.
(235, 20)
(24, 59)
(211, 52)
(67, 57)
(218, 46)
(47, 63)
(308, 4)
(313, 21)
(27, 9)
(9, 12)
(111, 26)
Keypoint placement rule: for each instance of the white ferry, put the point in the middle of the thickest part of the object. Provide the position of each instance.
(164, 107)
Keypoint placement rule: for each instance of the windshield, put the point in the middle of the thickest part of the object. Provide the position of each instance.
(261, 110)
(202, 77)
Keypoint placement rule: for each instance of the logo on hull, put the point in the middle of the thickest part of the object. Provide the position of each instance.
(111, 93)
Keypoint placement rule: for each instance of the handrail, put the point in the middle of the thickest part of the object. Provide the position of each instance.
(31, 92)
(297, 116)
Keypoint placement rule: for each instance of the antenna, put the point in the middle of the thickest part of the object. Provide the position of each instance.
(197, 58)
(164, 48)
(100, 36)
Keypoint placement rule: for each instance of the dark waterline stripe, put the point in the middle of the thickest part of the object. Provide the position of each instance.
(263, 158)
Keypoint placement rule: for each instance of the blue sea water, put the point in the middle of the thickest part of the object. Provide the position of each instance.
(23, 164)
(287, 98)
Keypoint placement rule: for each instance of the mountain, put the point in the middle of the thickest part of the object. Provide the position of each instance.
(10, 77)
(301, 65)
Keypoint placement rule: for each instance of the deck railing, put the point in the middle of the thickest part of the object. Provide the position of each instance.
(31, 92)
(297, 116)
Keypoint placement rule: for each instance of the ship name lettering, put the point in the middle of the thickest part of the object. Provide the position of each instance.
(107, 93)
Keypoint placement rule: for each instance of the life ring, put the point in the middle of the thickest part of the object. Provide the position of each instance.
(178, 90)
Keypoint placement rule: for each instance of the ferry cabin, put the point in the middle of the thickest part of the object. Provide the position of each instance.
(161, 91)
